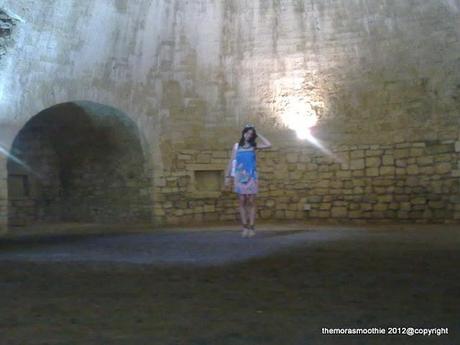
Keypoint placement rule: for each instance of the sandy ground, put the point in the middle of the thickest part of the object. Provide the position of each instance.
(97, 285)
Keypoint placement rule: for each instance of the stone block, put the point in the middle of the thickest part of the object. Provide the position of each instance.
(357, 164)
(426, 160)
(380, 207)
(339, 212)
(387, 170)
(372, 153)
(372, 172)
(401, 163)
(290, 214)
(292, 157)
(203, 158)
(412, 170)
(443, 168)
(343, 174)
(355, 214)
(356, 154)
(457, 146)
(416, 152)
(418, 201)
(401, 153)
(325, 206)
(373, 162)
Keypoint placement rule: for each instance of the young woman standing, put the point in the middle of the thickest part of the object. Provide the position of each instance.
(243, 168)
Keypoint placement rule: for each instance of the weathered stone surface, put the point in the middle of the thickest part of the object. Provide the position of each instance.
(7, 26)
(189, 85)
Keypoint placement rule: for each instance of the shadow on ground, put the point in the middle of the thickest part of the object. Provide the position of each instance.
(213, 287)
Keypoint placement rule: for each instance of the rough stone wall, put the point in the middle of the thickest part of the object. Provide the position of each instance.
(408, 182)
(33, 183)
(377, 75)
(3, 195)
(191, 73)
(370, 70)
(7, 24)
(71, 165)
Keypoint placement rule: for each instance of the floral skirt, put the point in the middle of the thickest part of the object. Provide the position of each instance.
(246, 183)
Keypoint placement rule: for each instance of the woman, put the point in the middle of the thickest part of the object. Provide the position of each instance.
(245, 175)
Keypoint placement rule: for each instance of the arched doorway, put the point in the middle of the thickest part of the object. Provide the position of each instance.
(78, 162)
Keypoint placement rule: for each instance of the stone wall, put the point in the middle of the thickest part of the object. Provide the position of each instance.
(33, 180)
(190, 74)
(404, 182)
(72, 165)
(3, 194)
(7, 24)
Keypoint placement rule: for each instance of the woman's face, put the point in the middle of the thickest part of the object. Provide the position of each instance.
(248, 135)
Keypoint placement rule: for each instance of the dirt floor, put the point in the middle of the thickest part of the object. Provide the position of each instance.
(209, 286)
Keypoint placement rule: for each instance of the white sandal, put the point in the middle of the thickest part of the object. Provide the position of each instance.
(251, 232)
(245, 232)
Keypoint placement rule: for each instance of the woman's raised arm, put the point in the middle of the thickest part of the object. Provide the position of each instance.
(265, 143)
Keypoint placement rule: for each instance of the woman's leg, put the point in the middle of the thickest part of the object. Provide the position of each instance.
(242, 206)
(252, 209)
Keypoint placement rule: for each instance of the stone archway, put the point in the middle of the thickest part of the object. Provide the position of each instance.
(78, 162)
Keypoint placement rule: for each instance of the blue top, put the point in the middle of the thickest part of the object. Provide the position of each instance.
(245, 164)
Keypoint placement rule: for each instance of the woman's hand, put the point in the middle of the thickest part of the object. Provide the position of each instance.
(228, 181)
(265, 143)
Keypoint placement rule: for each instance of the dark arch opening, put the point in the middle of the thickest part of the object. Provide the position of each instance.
(78, 162)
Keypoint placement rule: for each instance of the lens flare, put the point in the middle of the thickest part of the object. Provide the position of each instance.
(18, 161)
(299, 116)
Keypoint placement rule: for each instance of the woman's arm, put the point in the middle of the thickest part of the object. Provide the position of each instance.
(265, 143)
(228, 171)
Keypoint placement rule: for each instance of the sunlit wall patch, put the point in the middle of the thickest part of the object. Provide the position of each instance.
(298, 103)
(298, 115)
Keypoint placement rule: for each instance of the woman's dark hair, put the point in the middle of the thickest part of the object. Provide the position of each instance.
(251, 141)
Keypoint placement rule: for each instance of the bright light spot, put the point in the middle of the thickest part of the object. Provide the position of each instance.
(299, 116)
(295, 99)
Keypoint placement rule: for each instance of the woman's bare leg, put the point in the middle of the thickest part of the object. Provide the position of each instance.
(252, 209)
(242, 206)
